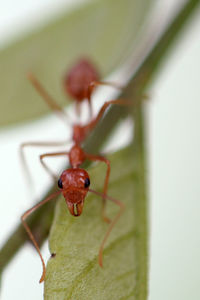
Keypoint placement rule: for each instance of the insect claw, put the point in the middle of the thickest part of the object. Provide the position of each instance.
(100, 260)
(42, 278)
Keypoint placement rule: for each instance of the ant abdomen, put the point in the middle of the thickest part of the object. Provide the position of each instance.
(79, 78)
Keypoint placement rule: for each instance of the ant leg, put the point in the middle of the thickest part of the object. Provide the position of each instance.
(42, 156)
(93, 123)
(94, 84)
(112, 224)
(23, 218)
(105, 160)
(77, 108)
(48, 99)
(34, 144)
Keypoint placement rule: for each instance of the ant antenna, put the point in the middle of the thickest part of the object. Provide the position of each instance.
(59, 111)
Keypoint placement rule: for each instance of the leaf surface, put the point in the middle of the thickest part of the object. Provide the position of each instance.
(74, 272)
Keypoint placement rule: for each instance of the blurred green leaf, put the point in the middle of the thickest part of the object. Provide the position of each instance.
(74, 272)
(103, 30)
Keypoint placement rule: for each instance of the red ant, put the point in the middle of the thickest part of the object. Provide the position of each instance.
(74, 182)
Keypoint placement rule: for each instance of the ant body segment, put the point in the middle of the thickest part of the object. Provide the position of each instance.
(81, 81)
(74, 182)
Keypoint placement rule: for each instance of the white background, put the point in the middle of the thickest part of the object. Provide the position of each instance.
(173, 147)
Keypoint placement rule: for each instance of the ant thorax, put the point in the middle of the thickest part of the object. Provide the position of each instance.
(76, 156)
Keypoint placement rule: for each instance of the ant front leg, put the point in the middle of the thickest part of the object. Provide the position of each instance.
(90, 126)
(42, 156)
(94, 84)
(107, 162)
(28, 230)
(92, 87)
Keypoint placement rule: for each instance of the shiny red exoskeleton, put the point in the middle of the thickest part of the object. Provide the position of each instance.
(74, 182)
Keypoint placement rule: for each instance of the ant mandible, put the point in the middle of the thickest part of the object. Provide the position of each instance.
(74, 182)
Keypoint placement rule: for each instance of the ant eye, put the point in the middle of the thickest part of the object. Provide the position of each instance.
(87, 182)
(60, 185)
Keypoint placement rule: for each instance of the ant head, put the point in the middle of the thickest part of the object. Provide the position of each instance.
(74, 184)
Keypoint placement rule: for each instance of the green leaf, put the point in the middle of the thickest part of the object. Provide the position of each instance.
(74, 272)
(104, 30)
